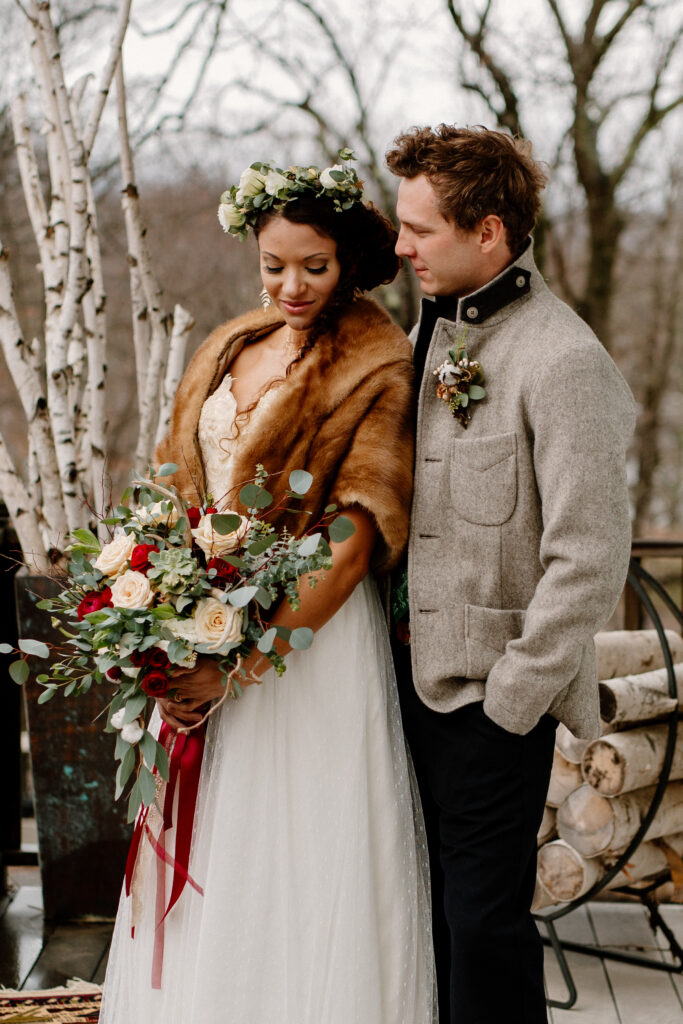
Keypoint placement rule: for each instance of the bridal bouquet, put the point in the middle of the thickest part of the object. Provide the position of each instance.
(174, 582)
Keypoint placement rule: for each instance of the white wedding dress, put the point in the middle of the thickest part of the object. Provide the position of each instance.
(306, 844)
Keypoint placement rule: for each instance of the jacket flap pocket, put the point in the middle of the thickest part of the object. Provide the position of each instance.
(484, 478)
(481, 453)
(487, 633)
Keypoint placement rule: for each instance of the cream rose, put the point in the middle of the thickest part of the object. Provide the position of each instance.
(113, 557)
(251, 183)
(217, 623)
(326, 179)
(132, 590)
(156, 513)
(274, 182)
(230, 217)
(213, 543)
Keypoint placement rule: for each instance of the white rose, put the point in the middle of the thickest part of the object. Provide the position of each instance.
(217, 623)
(117, 718)
(251, 183)
(213, 543)
(156, 513)
(326, 179)
(274, 182)
(230, 217)
(113, 556)
(132, 590)
(132, 732)
(191, 659)
(183, 629)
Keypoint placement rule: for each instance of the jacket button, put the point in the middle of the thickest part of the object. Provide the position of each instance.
(521, 281)
(472, 312)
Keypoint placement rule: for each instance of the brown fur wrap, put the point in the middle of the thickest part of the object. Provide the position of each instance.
(344, 413)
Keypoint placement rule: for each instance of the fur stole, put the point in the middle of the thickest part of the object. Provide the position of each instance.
(344, 413)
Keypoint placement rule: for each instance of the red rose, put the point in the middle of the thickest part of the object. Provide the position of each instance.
(155, 683)
(194, 514)
(157, 658)
(224, 571)
(153, 657)
(139, 558)
(93, 601)
(114, 673)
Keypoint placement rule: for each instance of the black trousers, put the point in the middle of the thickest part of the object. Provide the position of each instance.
(483, 791)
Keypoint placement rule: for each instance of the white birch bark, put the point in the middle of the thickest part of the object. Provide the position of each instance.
(28, 383)
(150, 365)
(596, 825)
(548, 829)
(183, 322)
(626, 761)
(639, 698)
(23, 516)
(565, 777)
(564, 873)
(625, 652)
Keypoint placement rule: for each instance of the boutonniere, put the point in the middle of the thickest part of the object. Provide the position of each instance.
(460, 382)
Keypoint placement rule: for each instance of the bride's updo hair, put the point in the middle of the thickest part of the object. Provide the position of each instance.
(365, 240)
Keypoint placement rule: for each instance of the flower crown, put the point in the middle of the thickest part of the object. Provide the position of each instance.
(264, 187)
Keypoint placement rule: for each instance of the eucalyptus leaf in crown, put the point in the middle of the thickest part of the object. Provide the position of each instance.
(265, 187)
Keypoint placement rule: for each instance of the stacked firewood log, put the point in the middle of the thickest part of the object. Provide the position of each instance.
(600, 791)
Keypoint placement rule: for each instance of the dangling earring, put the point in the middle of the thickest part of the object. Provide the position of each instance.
(265, 298)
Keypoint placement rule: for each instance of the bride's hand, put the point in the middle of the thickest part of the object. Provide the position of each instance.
(194, 688)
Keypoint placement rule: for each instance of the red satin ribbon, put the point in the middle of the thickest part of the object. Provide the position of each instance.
(185, 752)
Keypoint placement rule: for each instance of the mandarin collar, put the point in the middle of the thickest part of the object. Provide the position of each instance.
(511, 284)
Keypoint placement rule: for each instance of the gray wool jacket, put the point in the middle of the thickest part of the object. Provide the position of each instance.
(520, 531)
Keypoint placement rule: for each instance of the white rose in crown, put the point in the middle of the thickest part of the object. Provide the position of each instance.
(213, 543)
(217, 623)
(113, 557)
(132, 590)
(251, 183)
(326, 179)
(230, 217)
(274, 182)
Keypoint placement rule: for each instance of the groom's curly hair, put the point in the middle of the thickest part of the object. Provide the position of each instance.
(475, 172)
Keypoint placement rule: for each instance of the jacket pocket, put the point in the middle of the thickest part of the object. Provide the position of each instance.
(487, 633)
(484, 478)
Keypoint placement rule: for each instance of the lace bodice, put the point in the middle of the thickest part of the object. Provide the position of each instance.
(219, 433)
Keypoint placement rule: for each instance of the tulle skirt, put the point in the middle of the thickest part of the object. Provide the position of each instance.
(310, 852)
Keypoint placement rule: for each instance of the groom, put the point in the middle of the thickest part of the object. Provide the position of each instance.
(518, 550)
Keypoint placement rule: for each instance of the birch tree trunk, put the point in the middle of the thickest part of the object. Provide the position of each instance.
(61, 378)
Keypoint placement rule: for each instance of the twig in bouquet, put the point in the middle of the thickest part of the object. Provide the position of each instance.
(214, 707)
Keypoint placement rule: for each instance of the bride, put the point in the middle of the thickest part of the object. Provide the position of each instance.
(315, 905)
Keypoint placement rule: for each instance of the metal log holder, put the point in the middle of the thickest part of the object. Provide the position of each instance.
(640, 580)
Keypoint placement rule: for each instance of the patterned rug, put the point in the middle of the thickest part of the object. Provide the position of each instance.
(78, 1003)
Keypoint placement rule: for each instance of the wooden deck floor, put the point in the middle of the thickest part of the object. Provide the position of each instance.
(34, 955)
(610, 992)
